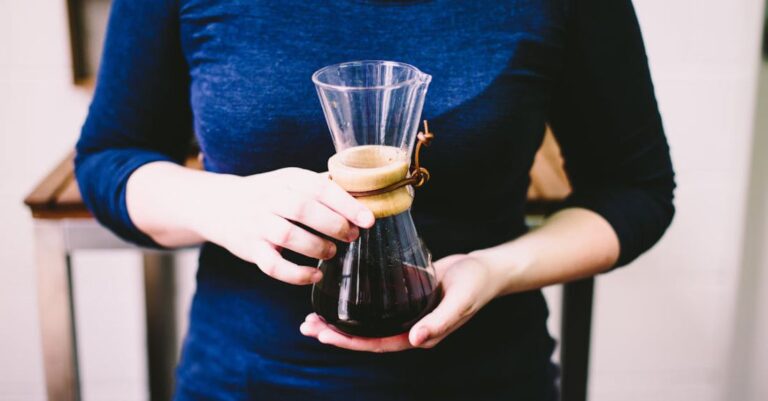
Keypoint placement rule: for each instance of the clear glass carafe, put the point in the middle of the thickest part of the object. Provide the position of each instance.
(383, 282)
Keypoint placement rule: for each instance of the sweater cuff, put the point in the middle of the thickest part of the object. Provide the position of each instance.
(635, 215)
(104, 191)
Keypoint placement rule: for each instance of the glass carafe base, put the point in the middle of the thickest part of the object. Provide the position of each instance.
(379, 285)
(369, 319)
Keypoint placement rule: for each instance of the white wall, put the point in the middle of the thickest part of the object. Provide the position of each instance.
(663, 326)
(39, 116)
(748, 362)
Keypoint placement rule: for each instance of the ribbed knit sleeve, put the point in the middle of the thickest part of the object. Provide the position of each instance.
(140, 112)
(607, 121)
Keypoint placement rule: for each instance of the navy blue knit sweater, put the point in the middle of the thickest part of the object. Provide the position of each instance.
(236, 74)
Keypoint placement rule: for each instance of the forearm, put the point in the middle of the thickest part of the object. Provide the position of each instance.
(167, 201)
(572, 244)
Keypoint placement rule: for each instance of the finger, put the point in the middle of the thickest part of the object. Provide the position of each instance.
(385, 344)
(313, 325)
(330, 194)
(284, 234)
(272, 264)
(313, 317)
(433, 341)
(453, 309)
(312, 329)
(319, 217)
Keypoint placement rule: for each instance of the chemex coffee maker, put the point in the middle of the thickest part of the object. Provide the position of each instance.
(383, 282)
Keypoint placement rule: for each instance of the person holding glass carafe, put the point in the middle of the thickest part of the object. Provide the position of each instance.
(235, 74)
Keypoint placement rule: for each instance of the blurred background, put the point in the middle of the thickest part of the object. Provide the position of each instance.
(688, 320)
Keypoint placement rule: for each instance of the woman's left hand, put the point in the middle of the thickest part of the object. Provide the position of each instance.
(467, 285)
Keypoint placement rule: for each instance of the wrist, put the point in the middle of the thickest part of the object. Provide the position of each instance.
(209, 196)
(509, 266)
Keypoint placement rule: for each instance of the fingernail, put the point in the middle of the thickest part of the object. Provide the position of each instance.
(353, 233)
(365, 218)
(421, 336)
(316, 276)
(329, 251)
(312, 318)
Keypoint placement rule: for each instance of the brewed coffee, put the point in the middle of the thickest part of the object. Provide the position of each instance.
(377, 311)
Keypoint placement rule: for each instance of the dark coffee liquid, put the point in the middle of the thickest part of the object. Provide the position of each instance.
(385, 301)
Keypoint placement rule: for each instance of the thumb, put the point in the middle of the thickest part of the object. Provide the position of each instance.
(452, 309)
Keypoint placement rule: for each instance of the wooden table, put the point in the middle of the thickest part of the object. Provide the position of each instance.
(63, 225)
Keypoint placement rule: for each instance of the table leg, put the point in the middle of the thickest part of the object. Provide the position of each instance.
(160, 295)
(575, 338)
(56, 311)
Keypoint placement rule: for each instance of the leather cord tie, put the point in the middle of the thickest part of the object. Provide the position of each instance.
(417, 176)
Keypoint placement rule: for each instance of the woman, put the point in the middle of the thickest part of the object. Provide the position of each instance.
(237, 74)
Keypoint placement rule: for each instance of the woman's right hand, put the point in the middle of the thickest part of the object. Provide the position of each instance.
(255, 218)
